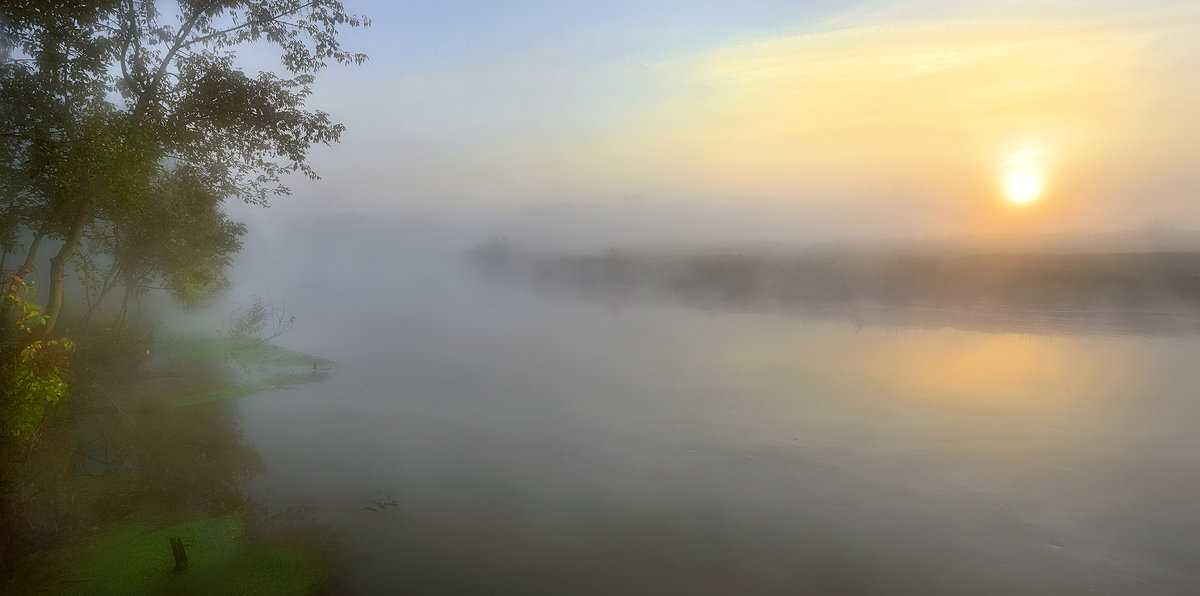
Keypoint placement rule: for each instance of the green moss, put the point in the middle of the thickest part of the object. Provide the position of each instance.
(134, 557)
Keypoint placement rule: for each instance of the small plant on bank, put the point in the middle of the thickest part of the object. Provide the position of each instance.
(261, 321)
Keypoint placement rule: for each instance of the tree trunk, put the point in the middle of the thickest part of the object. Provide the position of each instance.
(181, 561)
(27, 266)
(20, 274)
(58, 265)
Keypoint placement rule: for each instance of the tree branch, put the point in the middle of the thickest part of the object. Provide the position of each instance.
(272, 19)
(184, 31)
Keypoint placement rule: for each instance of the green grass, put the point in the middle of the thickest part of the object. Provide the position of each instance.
(239, 350)
(134, 557)
(234, 368)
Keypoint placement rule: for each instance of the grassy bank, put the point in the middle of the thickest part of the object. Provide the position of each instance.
(233, 367)
(132, 556)
(148, 447)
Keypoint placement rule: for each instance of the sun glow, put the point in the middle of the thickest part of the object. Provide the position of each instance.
(1023, 186)
(1022, 178)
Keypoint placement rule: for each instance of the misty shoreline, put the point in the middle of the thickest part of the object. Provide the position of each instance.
(1139, 293)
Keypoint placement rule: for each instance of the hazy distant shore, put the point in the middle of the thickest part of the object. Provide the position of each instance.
(1153, 293)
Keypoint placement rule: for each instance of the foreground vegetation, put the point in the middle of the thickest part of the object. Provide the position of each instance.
(147, 448)
(124, 127)
(128, 557)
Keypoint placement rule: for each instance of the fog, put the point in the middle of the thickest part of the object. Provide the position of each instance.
(496, 428)
(750, 313)
(773, 123)
(695, 298)
(596, 125)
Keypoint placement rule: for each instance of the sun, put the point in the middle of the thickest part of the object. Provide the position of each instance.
(1023, 186)
(1022, 177)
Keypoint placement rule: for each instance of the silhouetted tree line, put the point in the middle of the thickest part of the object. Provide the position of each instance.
(1063, 285)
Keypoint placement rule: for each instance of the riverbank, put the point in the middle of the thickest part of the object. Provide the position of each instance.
(148, 447)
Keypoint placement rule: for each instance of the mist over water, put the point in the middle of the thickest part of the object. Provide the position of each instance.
(766, 297)
(482, 435)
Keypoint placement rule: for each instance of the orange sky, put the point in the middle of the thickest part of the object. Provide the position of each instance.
(913, 110)
(937, 107)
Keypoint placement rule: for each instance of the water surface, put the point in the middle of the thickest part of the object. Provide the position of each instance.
(483, 438)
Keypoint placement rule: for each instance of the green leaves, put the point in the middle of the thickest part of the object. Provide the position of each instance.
(33, 376)
(134, 124)
(29, 316)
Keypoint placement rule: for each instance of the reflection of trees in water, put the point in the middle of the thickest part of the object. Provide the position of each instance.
(194, 457)
(114, 482)
(107, 462)
(178, 459)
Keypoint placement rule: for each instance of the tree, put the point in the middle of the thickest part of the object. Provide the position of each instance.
(57, 140)
(181, 240)
(102, 100)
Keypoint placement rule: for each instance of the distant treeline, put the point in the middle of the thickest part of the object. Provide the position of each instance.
(1137, 290)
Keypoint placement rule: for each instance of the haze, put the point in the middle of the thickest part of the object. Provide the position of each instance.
(681, 297)
(769, 121)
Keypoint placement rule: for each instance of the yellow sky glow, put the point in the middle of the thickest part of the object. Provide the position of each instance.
(938, 107)
(914, 121)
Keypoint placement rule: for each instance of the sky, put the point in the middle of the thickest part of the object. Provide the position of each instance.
(628, 122)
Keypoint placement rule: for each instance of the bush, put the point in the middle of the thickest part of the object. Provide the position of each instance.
(33, 374)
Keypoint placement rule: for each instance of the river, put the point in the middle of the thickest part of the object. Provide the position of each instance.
(489, 438)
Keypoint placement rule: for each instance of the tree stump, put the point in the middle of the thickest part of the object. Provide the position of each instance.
(181, 562)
